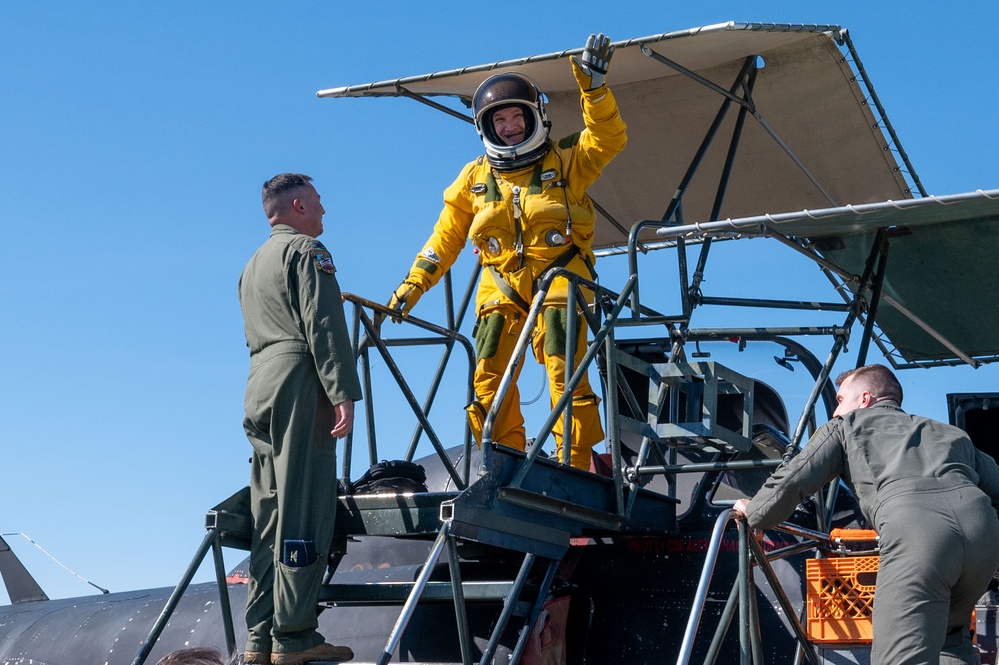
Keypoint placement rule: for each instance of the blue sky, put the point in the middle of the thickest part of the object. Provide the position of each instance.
(134, 139)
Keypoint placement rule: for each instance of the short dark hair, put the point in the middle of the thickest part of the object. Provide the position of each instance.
(278, 191)
(195, 656)
(877, 380)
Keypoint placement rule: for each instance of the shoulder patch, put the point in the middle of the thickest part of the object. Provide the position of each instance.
(429, 253)
(323, 259)
(569, 141)
(548, 175)
(478, 188)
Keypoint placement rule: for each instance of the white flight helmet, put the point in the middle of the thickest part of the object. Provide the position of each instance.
(504, 90)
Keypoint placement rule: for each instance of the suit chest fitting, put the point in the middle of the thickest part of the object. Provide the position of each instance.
(515, 215)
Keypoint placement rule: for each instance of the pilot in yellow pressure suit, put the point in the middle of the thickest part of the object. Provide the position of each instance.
(524, 206)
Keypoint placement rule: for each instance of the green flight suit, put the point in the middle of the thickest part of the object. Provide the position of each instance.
(301, 364)
(931, 496)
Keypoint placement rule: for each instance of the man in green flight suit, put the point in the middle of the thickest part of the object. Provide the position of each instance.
(931, 496)
(299, 398)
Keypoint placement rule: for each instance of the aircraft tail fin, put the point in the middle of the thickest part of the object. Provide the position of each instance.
(21, 586)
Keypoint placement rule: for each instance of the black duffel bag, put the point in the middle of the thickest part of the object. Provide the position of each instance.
(391, 477)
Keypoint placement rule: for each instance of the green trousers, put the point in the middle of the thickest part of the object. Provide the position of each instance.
(292, 497)
(938, 553)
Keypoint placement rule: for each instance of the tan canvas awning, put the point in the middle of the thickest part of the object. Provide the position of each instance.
(805, 92)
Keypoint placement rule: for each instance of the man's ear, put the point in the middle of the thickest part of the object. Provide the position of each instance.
(866, 399)
(297, 205)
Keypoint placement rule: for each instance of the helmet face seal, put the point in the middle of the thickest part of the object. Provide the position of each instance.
(505, 90)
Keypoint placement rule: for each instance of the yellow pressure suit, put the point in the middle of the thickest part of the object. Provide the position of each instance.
(480, 206)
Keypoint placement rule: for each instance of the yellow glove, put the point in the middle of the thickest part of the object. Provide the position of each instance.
(407, 295)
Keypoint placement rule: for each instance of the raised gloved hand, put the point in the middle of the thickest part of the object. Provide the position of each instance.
(407, 295)
(590, 71)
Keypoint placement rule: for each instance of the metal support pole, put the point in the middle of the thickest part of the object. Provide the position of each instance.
(535, 612)
(744, 586)
(174, 600)
(571, 320)
(872, 308)
(464, 639)
(508, 605)
(613, 426)
(411, 399)
(688, 176)
(598, 340)
(224, 604)
(799, 631)
(723, 625)
(697, 607)
(414, 596)
(740, 122)
(840, 342)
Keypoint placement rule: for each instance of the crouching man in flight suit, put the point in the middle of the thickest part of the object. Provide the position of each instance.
(930, 494)
(524, 206)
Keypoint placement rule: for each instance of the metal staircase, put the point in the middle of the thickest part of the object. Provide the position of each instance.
(497, 543)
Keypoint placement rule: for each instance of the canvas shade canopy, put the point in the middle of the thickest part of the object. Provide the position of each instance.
(940, 285)
(826, 147)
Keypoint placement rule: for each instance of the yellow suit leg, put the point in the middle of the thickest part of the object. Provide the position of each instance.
(586, 428)
(501, 325)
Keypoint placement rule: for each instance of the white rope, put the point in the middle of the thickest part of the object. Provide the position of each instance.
(63, 566)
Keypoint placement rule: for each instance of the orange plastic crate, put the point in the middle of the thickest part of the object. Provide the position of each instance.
(840, 593)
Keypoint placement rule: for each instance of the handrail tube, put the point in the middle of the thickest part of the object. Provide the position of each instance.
(570, 360)
(372, 337)
(369, 419)
(750, 551)
(358, 354)
(744, 588)
(655, 320)
(534, 612)
(411, 400)
(520, 347)
(704, 467)
(801, 532)
(755, 642)
(584, 364)
(414, 596)
(508, 604)
(782, 599)
(613, 431)
(790, 550)
(454, 320)
(710, 558)
(662, 392)
(516, 357)
(383, 312)
(776, 304)
(761, 334)
(428, 402)
(724, 622)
